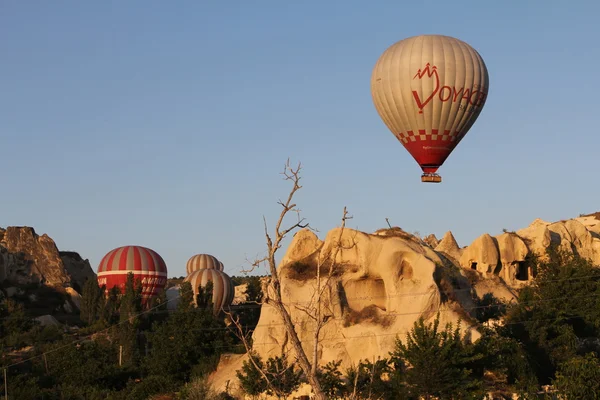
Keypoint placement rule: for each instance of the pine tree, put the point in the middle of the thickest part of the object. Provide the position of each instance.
(111, 306)
(186, 297)
(189, 341)
(91, 302)
(251, 380)
(131, 306)
(437, 362)
(205, 296)
(284, 378)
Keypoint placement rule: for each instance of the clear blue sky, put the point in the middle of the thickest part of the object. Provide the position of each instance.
(166, 124)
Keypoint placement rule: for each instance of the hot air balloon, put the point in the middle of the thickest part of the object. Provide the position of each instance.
(429, 90)
(203, 261)
(147, 266)
(223, 289)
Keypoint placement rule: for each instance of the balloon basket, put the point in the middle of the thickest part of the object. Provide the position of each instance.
(431, 178)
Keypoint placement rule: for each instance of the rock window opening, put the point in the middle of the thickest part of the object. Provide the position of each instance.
(522, 271)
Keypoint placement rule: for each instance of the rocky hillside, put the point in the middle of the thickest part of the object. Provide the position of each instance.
(383, 282)
(34, 272)
(27, 258)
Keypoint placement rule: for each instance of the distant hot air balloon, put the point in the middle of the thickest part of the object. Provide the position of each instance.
(203, 261)
(146, 265)
(429, 90)
(223, 289)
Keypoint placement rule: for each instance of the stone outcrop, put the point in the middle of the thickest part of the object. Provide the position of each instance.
(482, 255)
(37, 258)
(591, 223)
(536, 236)
(381, 284)
(578, 235)
(449, 247)
(384, 281)
(431, 240)
(26, 257)
(513, 251)
(77, 268)
(240, 295)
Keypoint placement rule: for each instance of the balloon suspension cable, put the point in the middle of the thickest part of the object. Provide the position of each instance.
(431, 178)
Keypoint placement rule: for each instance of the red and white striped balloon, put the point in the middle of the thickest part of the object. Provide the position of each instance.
(146, 265)
(203, 261)
(223, 289)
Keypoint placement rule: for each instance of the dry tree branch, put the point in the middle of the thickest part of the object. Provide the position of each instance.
(272, 289)
(314, 309)
(273, 244)
(240, 334)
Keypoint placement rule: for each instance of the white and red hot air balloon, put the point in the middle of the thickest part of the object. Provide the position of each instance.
(203, 261)
(429, 91)
(147, 267)
(223, 288)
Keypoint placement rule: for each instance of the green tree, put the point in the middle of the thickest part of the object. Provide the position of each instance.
(579, 377)
(254, 291)
(281, 380)
(331, 379)
(110, 309)
(284, 377)
(439, 363)
(251, 379)
(87, 365)
(190, 340)
(489, 307)
(507, 359)
(557, 312)
(186, 297)
(91, 302)
(14, 323)
(161, 300)
(128, 328)
(366, 381)
(204, 298)
(249, 314)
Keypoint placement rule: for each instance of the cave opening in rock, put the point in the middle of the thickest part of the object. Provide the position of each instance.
(365, 292)
(522, 271)
(498, 268)
(474, 266)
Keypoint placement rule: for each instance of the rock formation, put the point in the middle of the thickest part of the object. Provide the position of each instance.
(384, 281)
(240, 294)
(431, 240)
(26, 257)
(449, 247)
(481, 256)
(381, 284)
(77, 268)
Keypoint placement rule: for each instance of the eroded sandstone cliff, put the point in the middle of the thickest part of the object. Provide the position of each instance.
(383, 282)
(26, 257)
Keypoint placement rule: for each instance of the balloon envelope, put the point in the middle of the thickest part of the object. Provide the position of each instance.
(223, 289)
(147, 267)
(203, 261)
(429, 90)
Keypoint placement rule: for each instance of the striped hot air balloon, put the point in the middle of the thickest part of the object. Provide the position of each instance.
(203, 261)
(223, 289)
(146, 265)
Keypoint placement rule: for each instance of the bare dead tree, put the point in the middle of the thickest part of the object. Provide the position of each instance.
(316, 307)
(272, 291)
